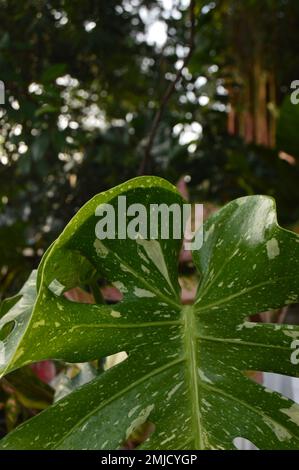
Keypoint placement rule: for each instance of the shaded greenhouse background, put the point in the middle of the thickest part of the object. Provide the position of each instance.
(83, 83)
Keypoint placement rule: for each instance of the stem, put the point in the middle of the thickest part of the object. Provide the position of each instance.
(96, 292)
(169, 91)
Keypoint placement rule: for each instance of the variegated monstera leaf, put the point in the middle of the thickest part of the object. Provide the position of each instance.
(187, 366)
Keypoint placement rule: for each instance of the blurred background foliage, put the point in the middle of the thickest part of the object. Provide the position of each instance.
(83, 81)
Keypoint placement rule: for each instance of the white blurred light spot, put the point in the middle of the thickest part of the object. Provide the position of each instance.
(177, 129)
(168, 4)
(200, 81)
(15, 105)
(192, 148)
(18, 129)
(213, 68)
(188, 133)
(221, 90)
(73, 125)
(220, 107)
(4, 160)
(207, 8)
(64, 157)
(28, 252)
(22, 148)
(89, 26)
(67, 80)
(35, 88)
(179, 64)
(62, 122)
(203, 100)
(157, 33)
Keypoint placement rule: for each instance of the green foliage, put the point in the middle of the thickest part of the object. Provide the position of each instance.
(22, 395)
(82, 133)
(57, 73)
(186, 366)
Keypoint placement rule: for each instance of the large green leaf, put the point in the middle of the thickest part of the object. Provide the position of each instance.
(186, 366)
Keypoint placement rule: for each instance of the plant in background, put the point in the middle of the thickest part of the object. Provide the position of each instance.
(186, 375)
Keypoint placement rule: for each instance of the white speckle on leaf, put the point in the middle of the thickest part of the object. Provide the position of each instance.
(203, 377)
(291, 334)
(206, 403)
(246, 324)
(291, 299)
(168, 439)
(125, 268)
(143, 292)
(281, 433)
(100, 248)
(272, 248)
(120, 286)
(155, 254)
(115, 314)
(38, 323)
(173, 390)
(141, 419)
(56, 287)
(133, 411)
(292, 413)
(145, 269)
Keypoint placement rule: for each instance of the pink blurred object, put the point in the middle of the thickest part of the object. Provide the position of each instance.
(79, 295)
(188, 296)
(111, 294)
(188, 288)
(208, 209)
(182, 188)
(185, 256)
(44, 370)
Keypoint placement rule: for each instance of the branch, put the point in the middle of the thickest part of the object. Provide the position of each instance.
(169, 91)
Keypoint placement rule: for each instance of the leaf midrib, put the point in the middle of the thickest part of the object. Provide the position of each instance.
(190, 343)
